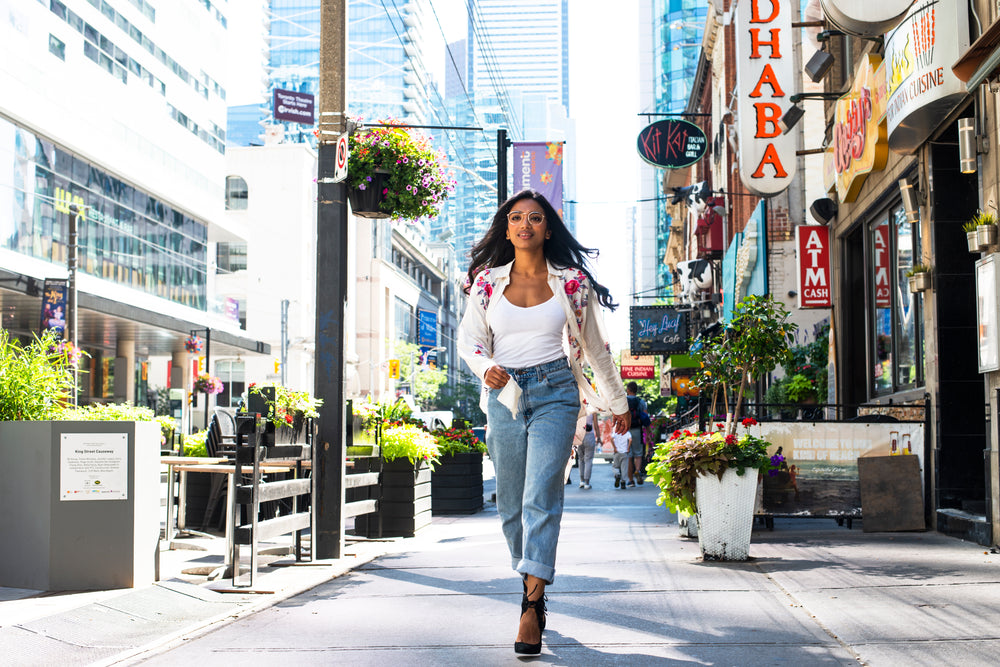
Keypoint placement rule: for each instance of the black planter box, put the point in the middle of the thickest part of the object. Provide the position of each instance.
(405, 505)
(457, 484)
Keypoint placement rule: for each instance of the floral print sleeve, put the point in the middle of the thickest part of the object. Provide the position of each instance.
(475, 342)
(594, 341)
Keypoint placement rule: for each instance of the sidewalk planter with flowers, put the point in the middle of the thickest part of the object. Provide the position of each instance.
(394, 172)
(409, 454)
(208, 384)
(66, 527)
(457, 480)
(714, 474)
(286, 410)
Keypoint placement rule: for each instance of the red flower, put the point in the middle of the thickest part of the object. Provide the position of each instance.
(572, 286)
(749, 421)
(719, 426)
(289, 419)
(730, 439)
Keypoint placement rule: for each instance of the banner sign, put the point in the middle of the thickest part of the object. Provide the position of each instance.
(658, 330)
(672, 144)
(766, 76)
(819, 474)
(637, 368)
(427, 328)
(859, 144)
(920, 85)
(812, 252)
(54, 302)
(539, 166)
(293, 107)
(880, 241)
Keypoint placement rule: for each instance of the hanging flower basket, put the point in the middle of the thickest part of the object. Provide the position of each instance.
(208, 384)
(367, 198)
(193, 344)
(416, 179)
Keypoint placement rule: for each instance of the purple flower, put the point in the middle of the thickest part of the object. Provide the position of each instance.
(361, 186)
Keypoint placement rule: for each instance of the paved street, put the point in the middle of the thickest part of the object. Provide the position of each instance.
(630, 591)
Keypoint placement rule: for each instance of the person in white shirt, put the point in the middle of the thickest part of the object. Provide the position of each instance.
(622, 441)
(532, 300)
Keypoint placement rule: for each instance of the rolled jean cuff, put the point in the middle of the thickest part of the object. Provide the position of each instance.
(544, 572)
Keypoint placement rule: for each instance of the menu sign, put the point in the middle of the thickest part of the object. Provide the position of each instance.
(658, 330)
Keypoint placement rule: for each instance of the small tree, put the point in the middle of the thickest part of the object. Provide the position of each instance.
(426, 382)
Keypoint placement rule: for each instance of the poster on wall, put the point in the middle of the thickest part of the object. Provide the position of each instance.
(93, 466)
(818, 475)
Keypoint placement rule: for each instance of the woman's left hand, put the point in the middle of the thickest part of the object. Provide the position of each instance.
(622, 423)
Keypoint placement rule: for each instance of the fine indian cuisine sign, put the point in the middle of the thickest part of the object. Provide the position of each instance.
(766, 77)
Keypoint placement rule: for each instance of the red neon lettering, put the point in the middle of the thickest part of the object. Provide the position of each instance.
(756, 43)
(768, 77)
(755, 11)
(771, 158)
(767, 113)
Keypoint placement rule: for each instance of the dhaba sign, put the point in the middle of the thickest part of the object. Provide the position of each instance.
(765, 72)
(859, 145)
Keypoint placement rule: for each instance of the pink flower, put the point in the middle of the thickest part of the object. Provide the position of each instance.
(488, 289)
(572, 286)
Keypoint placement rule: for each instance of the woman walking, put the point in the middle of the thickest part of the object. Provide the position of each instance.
(529, 291)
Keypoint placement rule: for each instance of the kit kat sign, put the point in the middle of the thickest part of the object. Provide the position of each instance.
(812, 244)
(672, 144)
(765, 78)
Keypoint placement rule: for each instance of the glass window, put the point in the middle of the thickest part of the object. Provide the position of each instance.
(897, 335)
(57, 47)
(237, 194)
(232, 373)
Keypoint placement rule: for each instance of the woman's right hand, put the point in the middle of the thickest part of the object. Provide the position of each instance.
(496, 377)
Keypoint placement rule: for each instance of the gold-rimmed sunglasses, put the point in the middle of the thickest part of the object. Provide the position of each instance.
(517, 217)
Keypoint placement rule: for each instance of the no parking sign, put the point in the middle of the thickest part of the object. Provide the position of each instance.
(340, 168)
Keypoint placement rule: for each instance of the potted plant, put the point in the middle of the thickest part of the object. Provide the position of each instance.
(208, 384)
(285, 409)
(394, 172)
(409, 453)
(971, 237)
(457, 480)
(715, 473)
(920, 278)
(63, 457)
(986, 229)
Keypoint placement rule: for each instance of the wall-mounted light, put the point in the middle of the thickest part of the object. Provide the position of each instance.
(795, 112)
(819, 66)
(911, 205)
(823, 210)
(967, 141)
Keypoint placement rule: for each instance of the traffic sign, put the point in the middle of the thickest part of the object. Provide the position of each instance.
(340, 168)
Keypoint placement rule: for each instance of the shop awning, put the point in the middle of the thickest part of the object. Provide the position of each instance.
(981, 60)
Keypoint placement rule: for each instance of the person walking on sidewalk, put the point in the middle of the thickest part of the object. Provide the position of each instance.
(620, 462)
(586, 444)
(530, 290)
(639, 419)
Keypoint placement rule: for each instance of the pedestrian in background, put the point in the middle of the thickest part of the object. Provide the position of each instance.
(621, 459)
(639, 419)
(530, 290)
(585, 448)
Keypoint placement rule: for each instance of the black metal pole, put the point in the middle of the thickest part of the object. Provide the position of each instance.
(208, 367)
(331, 285)
(71, 299)
(502, 145)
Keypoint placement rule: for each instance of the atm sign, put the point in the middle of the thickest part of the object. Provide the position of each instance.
(812, 245)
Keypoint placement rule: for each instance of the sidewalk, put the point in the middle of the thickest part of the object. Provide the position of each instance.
(628, 590)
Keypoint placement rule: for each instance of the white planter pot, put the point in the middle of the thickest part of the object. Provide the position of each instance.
(725, 514)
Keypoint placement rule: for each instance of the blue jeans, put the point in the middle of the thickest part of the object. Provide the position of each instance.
(529, 454)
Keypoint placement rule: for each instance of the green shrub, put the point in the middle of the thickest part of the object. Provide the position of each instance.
(35, 379)
(194, 444)
(408, 441)
(108, 412)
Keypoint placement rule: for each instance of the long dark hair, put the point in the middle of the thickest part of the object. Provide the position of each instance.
(564, 251)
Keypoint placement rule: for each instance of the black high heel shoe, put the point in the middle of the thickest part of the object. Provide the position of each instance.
(539, 607)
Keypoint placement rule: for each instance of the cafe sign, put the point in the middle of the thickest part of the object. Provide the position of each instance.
(766, 76)
(921, 88)
(859, 145)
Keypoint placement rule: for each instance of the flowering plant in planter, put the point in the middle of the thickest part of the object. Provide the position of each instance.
(408, 441)
(678, 462)
(193, 344)
(412, 176)
(208, 384)
(457, 441)
(290, 407)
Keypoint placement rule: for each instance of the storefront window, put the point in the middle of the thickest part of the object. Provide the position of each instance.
(896, 337)
(233, 376)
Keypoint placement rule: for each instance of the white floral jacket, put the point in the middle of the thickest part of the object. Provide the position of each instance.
(584, 335)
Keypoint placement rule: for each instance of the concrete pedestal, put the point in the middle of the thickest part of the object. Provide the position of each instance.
(52, 544)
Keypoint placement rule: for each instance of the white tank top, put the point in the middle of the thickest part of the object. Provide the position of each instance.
(524, 337)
